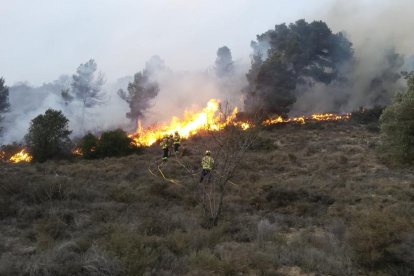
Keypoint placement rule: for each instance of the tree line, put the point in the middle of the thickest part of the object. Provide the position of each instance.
(284, 59)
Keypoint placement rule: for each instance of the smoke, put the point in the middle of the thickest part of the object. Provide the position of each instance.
(182, 91)
(382, 42)
(179, 92)
(27, 102)
(382, 38)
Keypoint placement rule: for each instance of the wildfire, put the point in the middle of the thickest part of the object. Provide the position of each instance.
(77, 151)
(21, 156)
(210, 118)
(303, 119)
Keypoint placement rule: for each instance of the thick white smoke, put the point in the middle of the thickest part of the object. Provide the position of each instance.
(190, 91)
(27, 102)
(376, 31)
(179, 92)
(382, 39)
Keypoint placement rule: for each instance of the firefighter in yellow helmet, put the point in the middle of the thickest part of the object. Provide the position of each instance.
(207, 164)
(177, 141)
(164, 146)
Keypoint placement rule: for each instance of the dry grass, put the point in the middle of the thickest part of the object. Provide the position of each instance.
(306, 200)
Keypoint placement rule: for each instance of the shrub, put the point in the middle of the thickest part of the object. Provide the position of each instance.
(367, 115)
(397, 127)
(98, 262)
(115, 143)
(377, 237)
(137, 252)
(48, 136)
(7, 151)
(66, 259)
(88, 146)
(264, 144)
(206, 260)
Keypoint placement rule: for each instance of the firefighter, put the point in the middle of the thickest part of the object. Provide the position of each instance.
(170, 143)
(207, 164)
(177, 141)
(164, 146)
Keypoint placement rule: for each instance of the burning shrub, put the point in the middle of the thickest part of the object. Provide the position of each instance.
(7, 151)
(114, 143)
(397, 126)
(48, 136)
(88, 146)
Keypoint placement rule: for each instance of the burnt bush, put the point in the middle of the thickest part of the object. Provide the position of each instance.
(88, 146)
(367, 116)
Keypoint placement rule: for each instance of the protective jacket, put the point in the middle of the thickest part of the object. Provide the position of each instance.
(207, 163)
(164, 144)
(177, 139)
(170, 141)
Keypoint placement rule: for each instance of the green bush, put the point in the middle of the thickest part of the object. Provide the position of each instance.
(397, 127)
(114, 143)
(48, 136)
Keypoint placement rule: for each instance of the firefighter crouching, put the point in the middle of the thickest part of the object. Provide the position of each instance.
(177, 141)
(207, 163)
(164, 146)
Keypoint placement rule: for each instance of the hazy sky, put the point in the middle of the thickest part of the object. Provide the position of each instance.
(41, 39)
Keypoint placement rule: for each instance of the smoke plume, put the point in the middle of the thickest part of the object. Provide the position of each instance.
(382, 40)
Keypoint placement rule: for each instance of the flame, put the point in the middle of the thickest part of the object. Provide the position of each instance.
(209, 118)
(77, 151)
(243, 125)
(303, 119)
(21, 156)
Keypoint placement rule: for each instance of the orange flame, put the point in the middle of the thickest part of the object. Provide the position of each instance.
(77, 151)
(21, 156)
(209, 118)
(303, 119)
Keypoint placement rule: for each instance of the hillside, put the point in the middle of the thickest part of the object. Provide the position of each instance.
(306, 200)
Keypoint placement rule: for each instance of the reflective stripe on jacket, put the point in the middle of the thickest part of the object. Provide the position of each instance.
(164, 145)
(207, 162)
(177, 139)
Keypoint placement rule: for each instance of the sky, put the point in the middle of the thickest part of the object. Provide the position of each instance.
(42, 39)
